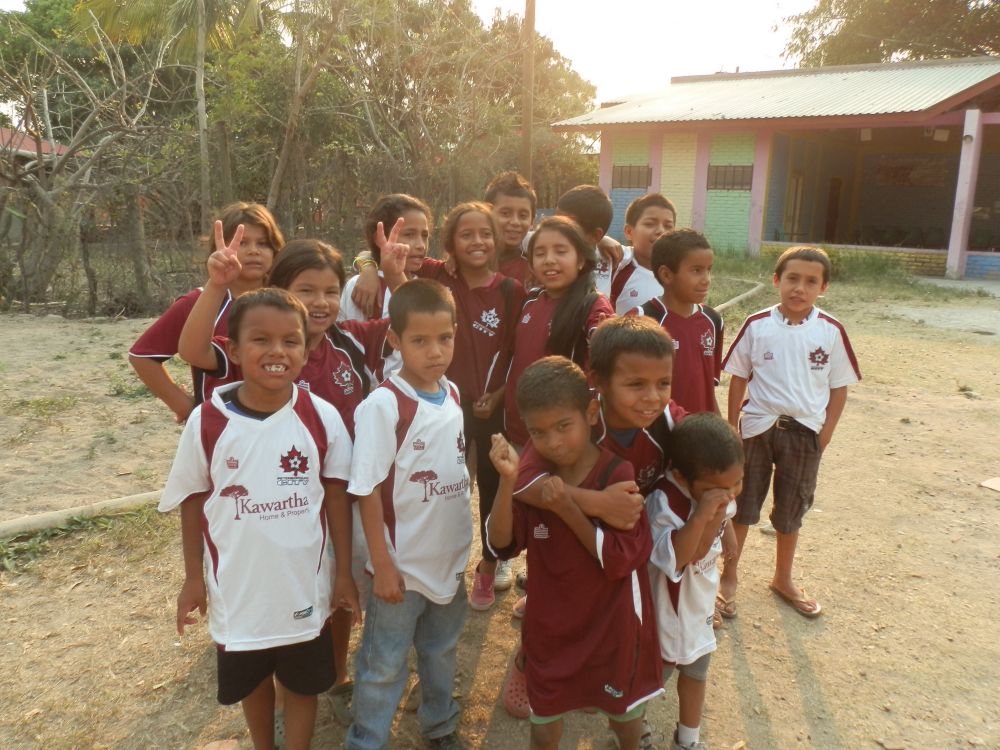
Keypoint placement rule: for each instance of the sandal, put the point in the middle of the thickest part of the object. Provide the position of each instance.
(725, 607)
(802, 604)
(515, 691)
(340, 696)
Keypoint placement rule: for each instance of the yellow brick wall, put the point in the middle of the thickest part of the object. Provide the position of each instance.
(677, 173)
(919, 262)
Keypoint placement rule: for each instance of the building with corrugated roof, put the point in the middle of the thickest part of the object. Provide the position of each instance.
(900, 158)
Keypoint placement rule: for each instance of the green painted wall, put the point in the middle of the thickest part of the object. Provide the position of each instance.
(732, 148)
(630, 150)
(677, 173)
(727, 220)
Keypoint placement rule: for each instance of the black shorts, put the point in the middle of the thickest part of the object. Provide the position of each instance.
(305, 668)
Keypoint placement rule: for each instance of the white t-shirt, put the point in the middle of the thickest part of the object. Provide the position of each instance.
(794, 367)
(633, 285)
(416, 450)
(685, 599)
(264, 529)
(350, 311)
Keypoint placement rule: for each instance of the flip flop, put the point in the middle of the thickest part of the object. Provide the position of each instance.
(340, 696)
(803, 604)
(725, 607)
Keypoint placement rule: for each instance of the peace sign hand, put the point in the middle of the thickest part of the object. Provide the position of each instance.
(223, 265)
(393, 252)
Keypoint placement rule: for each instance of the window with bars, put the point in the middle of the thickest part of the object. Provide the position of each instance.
(730, 177)
(631, 177)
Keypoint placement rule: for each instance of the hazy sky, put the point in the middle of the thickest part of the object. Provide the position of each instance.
(630, 46)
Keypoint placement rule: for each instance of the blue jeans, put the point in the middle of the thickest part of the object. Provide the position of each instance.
(381, 672)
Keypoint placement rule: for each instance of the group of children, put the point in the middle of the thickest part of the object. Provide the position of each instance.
(327, 469)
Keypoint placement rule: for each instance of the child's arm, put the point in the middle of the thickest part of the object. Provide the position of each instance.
(488, 403)
(195, 344)
(835, 407)
(339, 520)
(193, 594)
(619, 505)
(693, 540)
(555, 498)
(388, 583)
(500, 523)
(366, 288)
(737, 394)
(155, 377)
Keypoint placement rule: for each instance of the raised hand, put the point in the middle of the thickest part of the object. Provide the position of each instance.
(504, 457)
(392, 252)
(224, 266)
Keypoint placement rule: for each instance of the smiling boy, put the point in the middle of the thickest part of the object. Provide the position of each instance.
(791, 365)
(646, 220)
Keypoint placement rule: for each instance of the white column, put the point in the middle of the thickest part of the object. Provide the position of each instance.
(758, 190)
(965, 193)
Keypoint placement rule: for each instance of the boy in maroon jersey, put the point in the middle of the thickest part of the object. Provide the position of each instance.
(590, 637)
(513, 201)
(682, 262)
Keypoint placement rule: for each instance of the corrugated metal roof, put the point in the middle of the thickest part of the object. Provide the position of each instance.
(846, 90)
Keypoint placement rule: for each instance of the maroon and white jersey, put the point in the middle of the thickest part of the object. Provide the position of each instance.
(685, 598)
(590, 633)
(350, 311)
(632, 285)
(793, 368)
(697, 352)
(531, 344)
(416, 450)
(264, 528)
(159, 341)
(648, 452)
(487, 321)
(517, 268)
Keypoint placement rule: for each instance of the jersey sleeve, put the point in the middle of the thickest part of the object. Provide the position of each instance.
(738, 360)
(720, 326)
(160, 340)
(375, 429)
(663, 524)
(339, 449)
(531, 469)
(843, 364)
(224, 367)
(512, 304)
(599, 311)
(621, 552)
(190, 472)
(370, 337)
(519, 540)
(431, 268)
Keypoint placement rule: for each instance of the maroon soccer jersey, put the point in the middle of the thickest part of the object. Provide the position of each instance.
(159, 341)
(484, 339)
(648, 451)
(590, 636)
(518, 268)
(531, 344)
(697, 353)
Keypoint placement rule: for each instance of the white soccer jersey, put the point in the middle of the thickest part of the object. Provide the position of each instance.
(684, 599)
(350, 311)
(416, 451)
(268, 577)
(793, 368)
(633, 285)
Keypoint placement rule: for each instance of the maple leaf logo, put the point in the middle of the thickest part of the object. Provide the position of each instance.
(424, 477)
(819, 357)
(237, 492)
(490, 318)
(294, 463)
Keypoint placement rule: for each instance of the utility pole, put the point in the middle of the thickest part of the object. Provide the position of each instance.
(528, 88)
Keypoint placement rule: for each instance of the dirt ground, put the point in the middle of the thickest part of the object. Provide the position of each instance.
(901, 550)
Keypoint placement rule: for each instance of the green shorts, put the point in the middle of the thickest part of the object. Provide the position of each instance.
(635, 713)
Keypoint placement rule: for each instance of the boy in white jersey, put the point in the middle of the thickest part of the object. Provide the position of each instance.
(801, 363)
(260, 475)
(688, 512)
(414, 490)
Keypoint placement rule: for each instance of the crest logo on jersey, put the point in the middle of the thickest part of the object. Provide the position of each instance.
(613, 691)
(768, 356)
(418, 445)
(424, 478)
(708, 343)
(526, 319)
(541, 531)
(304, 385)
(302, 614)
(232, 463)
(294, 463)
(343, 378)
(818, 359)
(488, 322)
(603, 266)
(646, 476)
(237, 492)
(461, 447)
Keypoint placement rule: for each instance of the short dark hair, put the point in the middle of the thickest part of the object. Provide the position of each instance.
(244, 213)
(388, 209)
(512, 184)
(552, 381)
(669, 250)
(418, 296)
(627, 334)
(588, 206)
(304, 255)
(636, 208)
(269, 296)
(456, 214)
(704, 444)
(804, 252)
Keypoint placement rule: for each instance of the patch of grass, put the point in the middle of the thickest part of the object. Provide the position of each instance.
(19, 552)
(43, 408)
(129, 388)
(59, 357)
(114, 355)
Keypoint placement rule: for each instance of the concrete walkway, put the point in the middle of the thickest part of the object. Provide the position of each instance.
(989, 286)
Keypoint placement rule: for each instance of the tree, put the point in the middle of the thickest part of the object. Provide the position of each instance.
(842, 32)
(423, 477)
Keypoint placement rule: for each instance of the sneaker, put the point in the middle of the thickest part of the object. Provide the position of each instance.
(504, 576)
(675, 745)
(482, 597)
(650, 739)
(448, 742)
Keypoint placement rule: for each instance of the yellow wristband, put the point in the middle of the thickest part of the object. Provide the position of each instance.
(364, 262)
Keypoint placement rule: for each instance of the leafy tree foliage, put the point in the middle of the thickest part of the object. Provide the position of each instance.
(840, 32)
